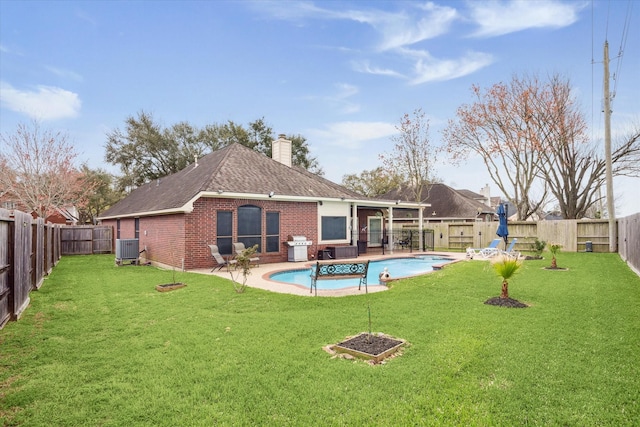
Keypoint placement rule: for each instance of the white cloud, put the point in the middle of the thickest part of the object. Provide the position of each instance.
(340, 100)
(430, 69)
(401, 29)
(84, 16)
(346, 90)
(44, 103)
(349, 146)
(351, 135)
(365, 67)
(396, 29)
(67, 74)
(497, 18)
(407, 28)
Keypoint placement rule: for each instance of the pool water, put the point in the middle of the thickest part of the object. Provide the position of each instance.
(397, 267)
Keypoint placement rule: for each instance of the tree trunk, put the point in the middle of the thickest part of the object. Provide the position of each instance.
(553, 262)
(505, 290)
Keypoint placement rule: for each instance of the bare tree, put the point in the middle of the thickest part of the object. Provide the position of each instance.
(500, 127)
(413, 156)
(572, 165)
(39, 172)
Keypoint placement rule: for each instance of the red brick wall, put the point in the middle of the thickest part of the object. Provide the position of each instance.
(163, 239)
(170, 239)
(295, 219)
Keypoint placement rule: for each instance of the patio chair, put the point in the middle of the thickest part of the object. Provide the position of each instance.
(510, 252)
(406, 242)
(488, 252)
(239, 247)
(215, 253)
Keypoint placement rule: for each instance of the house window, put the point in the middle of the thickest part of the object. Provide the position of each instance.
(136, 223)
(117, 229)
(224, 231)
(273, 232)
(334, 227)
(250, 226)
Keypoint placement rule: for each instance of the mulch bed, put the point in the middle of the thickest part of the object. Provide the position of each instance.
(170, 287)
(374, 348)
(506, 302)
(370, 344)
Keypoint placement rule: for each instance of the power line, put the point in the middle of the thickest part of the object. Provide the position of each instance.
(623, 43)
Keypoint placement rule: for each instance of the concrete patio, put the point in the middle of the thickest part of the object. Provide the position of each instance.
(259, 277)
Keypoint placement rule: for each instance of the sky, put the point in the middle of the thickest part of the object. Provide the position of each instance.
(339, 73)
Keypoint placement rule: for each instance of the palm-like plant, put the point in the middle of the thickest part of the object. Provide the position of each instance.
(554, 248)
(506, 267)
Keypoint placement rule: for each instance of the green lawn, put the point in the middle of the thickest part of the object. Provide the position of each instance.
(100, 346)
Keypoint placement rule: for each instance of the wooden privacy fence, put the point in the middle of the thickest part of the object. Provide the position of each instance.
(629, 241)
(29, 249)
(86, 239)
(573, 235)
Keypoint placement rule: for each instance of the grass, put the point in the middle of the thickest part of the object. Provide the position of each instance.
(99, 346)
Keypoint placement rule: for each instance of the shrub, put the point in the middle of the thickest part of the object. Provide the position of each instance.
(538, 246)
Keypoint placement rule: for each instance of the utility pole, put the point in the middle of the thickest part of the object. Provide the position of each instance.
(607, 153)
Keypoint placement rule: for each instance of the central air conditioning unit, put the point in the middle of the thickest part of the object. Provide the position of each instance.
(127, 250)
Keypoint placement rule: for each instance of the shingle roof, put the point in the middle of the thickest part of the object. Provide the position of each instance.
(232, 169)
(445, 201)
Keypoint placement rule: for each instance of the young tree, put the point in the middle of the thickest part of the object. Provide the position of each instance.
(372, 183)
(38, 170)
(413, 156)
(500, 127)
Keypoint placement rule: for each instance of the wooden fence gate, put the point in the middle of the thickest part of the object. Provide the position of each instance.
(86, 239)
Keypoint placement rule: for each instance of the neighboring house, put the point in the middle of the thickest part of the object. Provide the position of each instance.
(446, 205)
(236, 194)
(483, 197)
(66, 216)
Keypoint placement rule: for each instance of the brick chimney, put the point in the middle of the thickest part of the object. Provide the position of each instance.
(281, 150)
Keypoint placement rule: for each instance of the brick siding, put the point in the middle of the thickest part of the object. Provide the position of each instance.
(178, 238)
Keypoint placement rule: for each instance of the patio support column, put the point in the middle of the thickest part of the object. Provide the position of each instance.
(354, 225)
(390, 231)
(420, 228)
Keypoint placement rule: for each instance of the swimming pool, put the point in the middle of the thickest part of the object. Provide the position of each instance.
(397, 267)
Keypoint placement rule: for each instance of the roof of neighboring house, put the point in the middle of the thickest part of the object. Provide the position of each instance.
(445, 202)
(471, 194)
(231, 171)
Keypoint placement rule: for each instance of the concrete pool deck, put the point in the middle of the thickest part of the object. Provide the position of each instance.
(259, 277)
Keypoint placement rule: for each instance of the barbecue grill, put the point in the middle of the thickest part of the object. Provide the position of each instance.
(298, 248)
